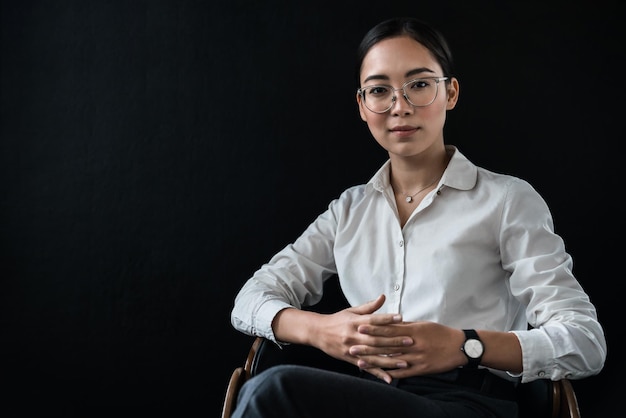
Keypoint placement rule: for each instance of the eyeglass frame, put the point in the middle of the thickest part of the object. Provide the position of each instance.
(394, 98)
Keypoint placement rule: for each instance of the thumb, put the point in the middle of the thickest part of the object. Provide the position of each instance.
(369, 307)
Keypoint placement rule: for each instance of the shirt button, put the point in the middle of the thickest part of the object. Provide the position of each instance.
(396, 287)
(541, 373)
(401, 243)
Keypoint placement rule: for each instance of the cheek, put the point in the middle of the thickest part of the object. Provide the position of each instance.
(372, 119)
(436, 110)
(375, 121)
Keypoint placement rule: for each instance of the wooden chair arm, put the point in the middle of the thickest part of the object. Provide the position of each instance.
(564, 400)
(237, 379)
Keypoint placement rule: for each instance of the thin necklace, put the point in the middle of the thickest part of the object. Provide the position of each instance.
(409, 198)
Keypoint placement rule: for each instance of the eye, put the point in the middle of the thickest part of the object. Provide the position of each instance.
(377, 91)
(419, 84)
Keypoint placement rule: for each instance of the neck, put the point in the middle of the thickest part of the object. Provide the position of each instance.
(409, 177)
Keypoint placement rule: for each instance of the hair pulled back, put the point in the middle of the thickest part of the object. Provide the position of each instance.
(419, 30)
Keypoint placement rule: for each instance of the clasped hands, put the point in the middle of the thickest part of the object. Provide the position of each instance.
(386, 346)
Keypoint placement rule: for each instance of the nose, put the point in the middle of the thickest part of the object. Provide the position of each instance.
(401, 106)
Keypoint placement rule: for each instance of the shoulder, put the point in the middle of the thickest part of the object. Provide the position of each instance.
(514, 196)
(467, 175)
(352, 195)
(506, 183)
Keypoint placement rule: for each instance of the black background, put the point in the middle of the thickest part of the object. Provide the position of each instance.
(153, 154)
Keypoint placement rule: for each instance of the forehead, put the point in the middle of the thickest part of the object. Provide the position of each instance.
(394, 57)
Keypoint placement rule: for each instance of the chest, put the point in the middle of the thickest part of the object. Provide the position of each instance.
(405, 208)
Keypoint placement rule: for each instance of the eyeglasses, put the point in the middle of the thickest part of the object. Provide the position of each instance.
(419, 93)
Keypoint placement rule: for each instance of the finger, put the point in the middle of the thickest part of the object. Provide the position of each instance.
(369, 307)
(381, 362)
(380, 373)
(402, 373)
(389, 331)
(385, 319)
(376, 346)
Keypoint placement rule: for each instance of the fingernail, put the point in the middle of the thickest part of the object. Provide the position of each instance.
(397, 318)
(407, 341)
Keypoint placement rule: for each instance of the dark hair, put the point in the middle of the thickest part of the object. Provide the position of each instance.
(419, 30)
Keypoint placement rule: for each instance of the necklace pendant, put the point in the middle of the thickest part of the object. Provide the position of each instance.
(408, 199)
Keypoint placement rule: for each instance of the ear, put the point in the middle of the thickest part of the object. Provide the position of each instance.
(359, 101)
(452, 90)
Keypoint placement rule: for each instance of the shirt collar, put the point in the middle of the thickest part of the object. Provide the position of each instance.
(460, 173)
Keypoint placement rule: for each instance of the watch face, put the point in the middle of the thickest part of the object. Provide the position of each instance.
(473, 348)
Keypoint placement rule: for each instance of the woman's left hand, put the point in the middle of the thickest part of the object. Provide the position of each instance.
(435, 349)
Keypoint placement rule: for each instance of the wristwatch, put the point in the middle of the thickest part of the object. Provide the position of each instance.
(473, 348)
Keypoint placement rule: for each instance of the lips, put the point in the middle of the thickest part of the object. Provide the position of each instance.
(403, 130)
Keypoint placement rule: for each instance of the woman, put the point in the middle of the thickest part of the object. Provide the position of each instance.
(444, 263)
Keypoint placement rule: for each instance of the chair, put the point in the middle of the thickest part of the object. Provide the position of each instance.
(541, 398)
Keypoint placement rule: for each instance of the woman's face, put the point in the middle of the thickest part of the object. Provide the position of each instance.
(405, 130)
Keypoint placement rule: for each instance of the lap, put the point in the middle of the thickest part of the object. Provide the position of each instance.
(292, 390)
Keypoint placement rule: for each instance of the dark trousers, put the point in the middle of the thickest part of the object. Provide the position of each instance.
(290, 391)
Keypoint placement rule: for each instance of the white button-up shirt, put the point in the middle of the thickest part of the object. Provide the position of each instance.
(478, 252)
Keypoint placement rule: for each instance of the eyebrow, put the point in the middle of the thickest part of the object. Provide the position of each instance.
(410, 73)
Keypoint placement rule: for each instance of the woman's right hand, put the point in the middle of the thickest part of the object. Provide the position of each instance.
(336, 333)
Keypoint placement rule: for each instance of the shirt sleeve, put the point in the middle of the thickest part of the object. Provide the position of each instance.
(565, 339)
(294, 277)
